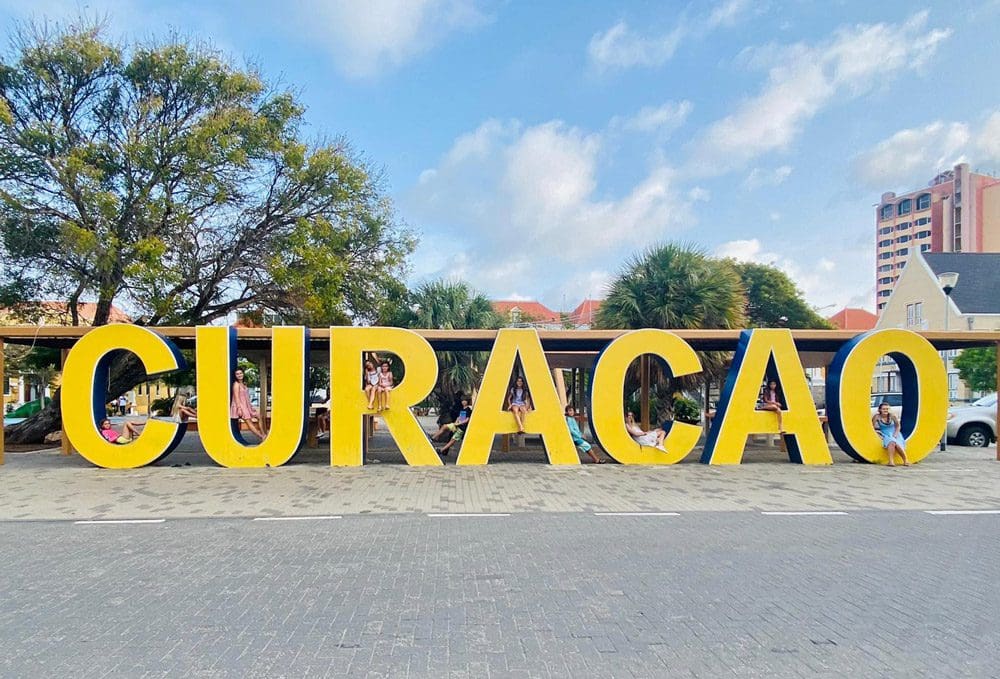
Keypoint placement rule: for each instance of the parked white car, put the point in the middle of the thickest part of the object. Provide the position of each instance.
(975, 424)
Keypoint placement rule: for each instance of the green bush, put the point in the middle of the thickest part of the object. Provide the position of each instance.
(686, 410)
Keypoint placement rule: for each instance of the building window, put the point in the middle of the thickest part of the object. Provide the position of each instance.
(923, 201)
(904, 226)
(881, 305)
(925, 247)
(884, 230)
(885, 255)
(902, 251)
(515, 315)
(952, 386)
(885, 243)
(900, 265)
(884, 268)
(886, 212)
(909, 315)
(918, 313)
(884, 293)
(923, 234)
(903, 239)
(958, 198)
(922, 221)
(905, 207)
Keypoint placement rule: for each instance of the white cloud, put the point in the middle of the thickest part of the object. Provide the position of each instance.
(748, 250)
(699, 194)
(661, 120)
(727, 12)
(366, 38)
(759, 177)
(988, 140)
(853, 266)
(525, 203)
(803, 79)
(913, 155)
(621, 47)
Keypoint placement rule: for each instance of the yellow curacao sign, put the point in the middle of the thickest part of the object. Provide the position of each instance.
(762, 353)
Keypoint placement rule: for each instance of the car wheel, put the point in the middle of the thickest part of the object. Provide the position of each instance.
(975, 435)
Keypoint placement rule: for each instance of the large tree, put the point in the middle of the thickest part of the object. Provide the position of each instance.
(165, 179)
(451, 305)
(978, 368)
(773, 300)
(674, 286)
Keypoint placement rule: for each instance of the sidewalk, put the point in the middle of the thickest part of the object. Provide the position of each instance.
(187, 483)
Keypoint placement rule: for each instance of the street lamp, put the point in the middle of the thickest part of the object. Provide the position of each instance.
(947, 280)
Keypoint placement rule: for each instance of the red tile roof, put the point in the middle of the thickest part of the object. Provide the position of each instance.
(530, 311)
(853, 319)
(584, 313)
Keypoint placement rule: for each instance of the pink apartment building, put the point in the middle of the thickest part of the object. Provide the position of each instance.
(959, 211)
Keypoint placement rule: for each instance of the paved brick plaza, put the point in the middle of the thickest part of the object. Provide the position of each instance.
(603, 570)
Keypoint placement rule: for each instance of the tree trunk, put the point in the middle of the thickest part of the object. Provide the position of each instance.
(126, 372)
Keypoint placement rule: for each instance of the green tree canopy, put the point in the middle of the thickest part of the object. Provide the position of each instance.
(452, 305)
(773, 300)
(163, 178)
(978, 368)
(674, 286)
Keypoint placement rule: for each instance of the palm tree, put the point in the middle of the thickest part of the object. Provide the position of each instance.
(453, 305)
(673, 287)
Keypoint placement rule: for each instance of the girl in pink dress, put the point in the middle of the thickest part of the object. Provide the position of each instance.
(240, 407)
(385, 384)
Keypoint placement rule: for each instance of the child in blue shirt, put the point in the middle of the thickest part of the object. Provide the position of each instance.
(577, 435)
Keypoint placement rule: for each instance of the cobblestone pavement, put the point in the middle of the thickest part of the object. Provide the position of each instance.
(47, 485)
(700, 594)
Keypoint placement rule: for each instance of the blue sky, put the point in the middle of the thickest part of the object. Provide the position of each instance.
(534, 147)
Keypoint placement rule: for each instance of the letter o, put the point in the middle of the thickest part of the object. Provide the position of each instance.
(925, 394)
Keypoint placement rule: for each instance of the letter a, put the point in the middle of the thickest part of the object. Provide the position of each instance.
(736, 417)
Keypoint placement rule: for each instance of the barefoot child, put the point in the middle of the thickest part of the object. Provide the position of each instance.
(129, 432)
(371, 383)
(577, 435)
(519, 402)
(385, 383)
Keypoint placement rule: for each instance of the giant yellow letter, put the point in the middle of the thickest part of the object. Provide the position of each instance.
(736, 417)
(925, 394)
(489, 417)
(607, 389)
(220, 435)
(348, 405)
(84, 392)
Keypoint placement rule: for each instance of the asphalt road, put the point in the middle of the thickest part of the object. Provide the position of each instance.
(694, 594)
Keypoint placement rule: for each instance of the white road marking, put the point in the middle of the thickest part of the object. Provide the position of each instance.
(296, 518)
(636, 514)
(102, 521)
(953, 512)
(447, 516)
(804, 513)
